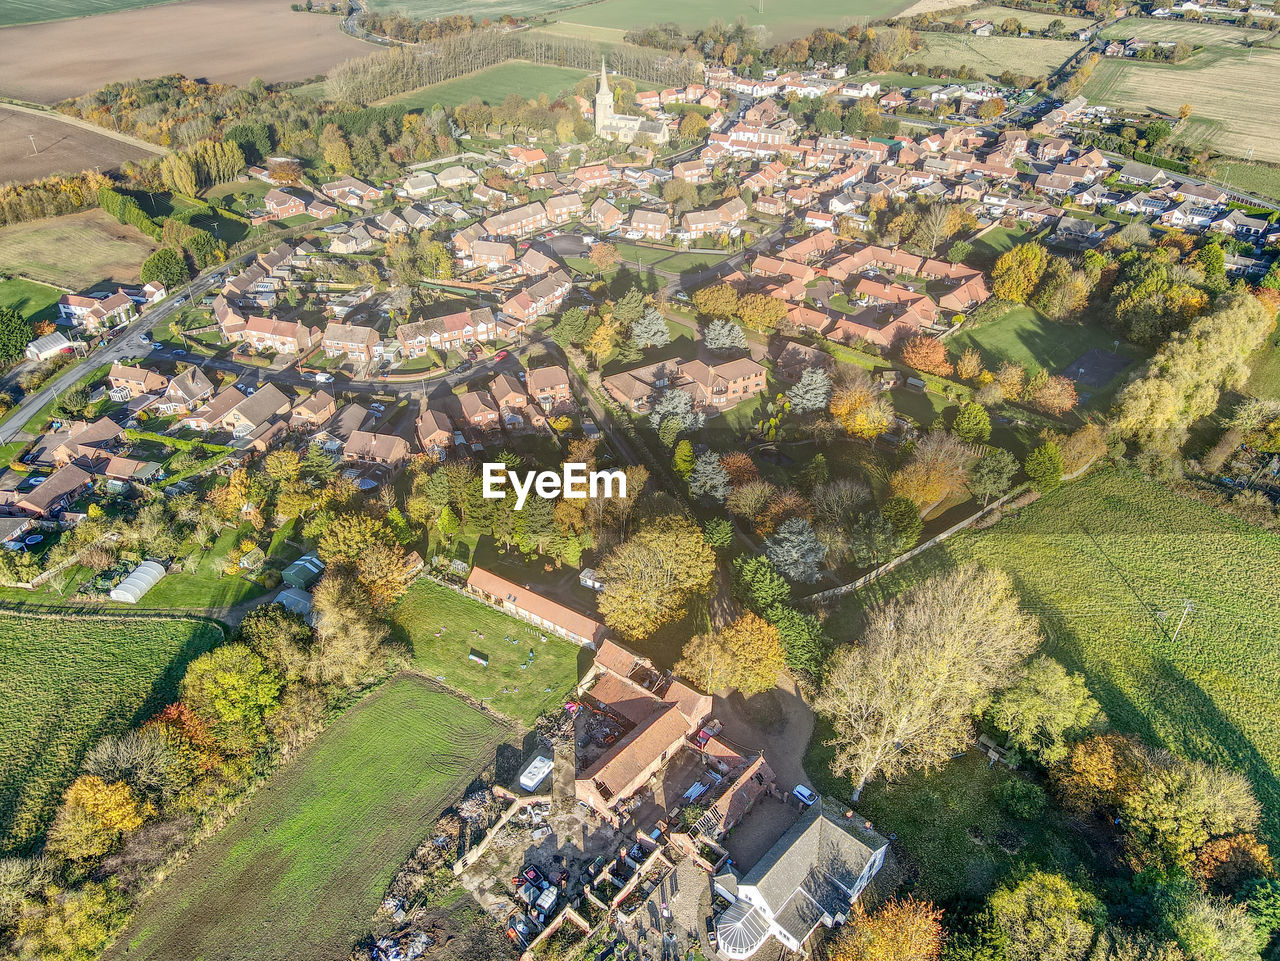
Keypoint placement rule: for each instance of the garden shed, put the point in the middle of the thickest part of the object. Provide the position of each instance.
(303, 572)
(140, 580)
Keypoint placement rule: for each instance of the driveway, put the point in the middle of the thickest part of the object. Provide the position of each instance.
(783, 742)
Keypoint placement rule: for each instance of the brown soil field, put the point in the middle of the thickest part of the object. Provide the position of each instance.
(78, 251)
(222, 40)
(61, 148)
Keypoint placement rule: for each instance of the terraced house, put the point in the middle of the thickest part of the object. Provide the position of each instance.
(360, 344)
(451, 331)
(517, 222)
(279, 336)
(543, 297)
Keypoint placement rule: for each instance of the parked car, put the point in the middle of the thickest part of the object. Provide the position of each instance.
(500, 355)
(804, 795)
(323, 378)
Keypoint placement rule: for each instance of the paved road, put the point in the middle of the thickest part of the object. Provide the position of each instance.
(126, 344)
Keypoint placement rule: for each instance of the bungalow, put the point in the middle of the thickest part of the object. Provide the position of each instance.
(352, 341)
(256, 411)
(420, 185)
(1242, 225)
(370, 448)
(1139, 173)
(350, 191)
(57, 492)
(334, 433)
(456, 176)
(792, 359)
(392, 223)
(530, 606)
(85, 441)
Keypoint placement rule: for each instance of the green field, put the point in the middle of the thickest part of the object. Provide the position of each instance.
(33, 301)
(1253, 178)
(493, 85)
(1202, 34)
(1099, 560)
(1035, 342)
(428, 607)
(782, 22)
(1232, 92)
(303, 865)
(1264, 379)
(998, 240)
(994, 55)
(68, 681)
(13, 12)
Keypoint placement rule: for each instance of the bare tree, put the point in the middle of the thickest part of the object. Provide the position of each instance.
(903, 698)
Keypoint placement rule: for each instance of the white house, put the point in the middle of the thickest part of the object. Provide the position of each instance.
(812, 875)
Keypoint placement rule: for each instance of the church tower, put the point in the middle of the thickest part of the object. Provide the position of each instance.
(604, 101)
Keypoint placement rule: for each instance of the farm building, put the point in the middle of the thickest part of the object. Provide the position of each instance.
(140, 580)
(531, 606)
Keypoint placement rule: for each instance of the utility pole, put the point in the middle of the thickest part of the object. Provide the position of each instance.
(34, 149)
(1187, 608)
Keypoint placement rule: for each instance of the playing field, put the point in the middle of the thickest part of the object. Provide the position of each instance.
(994, 55)
(1234, 89)
(1030, 19)
(224, 40)
(300, 869)
(1107, 563)
(503, 685)
(33, 301)
(783, 21)
(64, 683)
(76, 250)
(493, 85)
(1035, 342)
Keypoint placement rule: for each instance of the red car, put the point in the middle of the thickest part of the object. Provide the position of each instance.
(500, 355)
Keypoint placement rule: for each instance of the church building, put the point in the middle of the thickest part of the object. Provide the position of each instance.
(620, 126)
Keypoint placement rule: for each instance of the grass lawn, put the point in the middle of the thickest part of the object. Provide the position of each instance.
(1032, 340)
(493, 85)
(75, 250)
(303, 865)
(998, 240)
(66, 682)
(33, 301)
(207, 587)
(1098, 560)
(429, 606)
(1265, 364)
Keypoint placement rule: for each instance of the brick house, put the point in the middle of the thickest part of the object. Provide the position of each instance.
(435, 433)
(517, 222)
(543, 297)
(366, 447)
(564, 207)
(651, 224)
(493, 254)
(130, 382)
(448, 332)
(356, 343)
(603, 215)
(479, 409)
(350, 191)
(282, 205)
(279, 336)
(549, 386)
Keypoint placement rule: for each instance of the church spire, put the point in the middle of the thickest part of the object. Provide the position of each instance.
(604, 79)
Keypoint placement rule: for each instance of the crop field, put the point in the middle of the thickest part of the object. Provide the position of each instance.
(582, 31)
(1254, 178)
(33, 301)
(994, 55)
(59, 147)
(300, 869)
(76, 250)
(66, 682)
(493, 85)
(1202, 34)
(35, 11)
(1106, 562)
(783, 21)
(1030, 19)
(1234, 89)
(223, 40)
(502, 685)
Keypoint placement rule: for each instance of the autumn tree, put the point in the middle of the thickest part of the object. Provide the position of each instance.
(650, 578)
(1097, 773)
(937, 469)
(348, 632)
(747, 656)
(900, 930)
(1017, 272)
(1052, 394)
(93, 819)
(859, 408)
(718, 302)
(926, 354)
(1045, 917)
(349, 535)
(603, 257)
(761, 312)
(903, 698)
(969, 365)
(1041, 712)
(234, 692)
